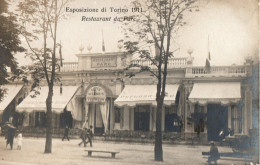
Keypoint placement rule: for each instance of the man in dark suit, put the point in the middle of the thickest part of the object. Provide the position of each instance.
(10, 133)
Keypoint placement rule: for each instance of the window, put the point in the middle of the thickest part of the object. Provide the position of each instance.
(236, 119)
(172, 120)
(40, 119)
(199, 118)
(117, 114)
(142, 117)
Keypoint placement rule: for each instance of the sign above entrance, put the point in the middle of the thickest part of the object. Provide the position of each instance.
(103, 62)
(96, 94)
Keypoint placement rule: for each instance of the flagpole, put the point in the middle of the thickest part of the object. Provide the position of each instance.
(207, 65)
(103, 43)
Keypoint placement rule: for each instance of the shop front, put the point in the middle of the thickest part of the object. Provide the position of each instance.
(214, 108)
(138, 105)
(33, 107)
(98, 105)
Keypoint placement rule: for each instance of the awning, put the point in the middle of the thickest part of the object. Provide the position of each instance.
(145, 94)
(221, 92)
(11, 92)
(38, 103)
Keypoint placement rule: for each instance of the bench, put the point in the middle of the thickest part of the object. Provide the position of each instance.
(244, 157)
(113, 153)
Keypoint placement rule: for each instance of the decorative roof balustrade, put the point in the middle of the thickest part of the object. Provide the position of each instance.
(172, 63)
(191, 71)
(217, 71)
(69, 67)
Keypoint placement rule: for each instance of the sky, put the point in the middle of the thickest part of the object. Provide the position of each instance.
(230, 25)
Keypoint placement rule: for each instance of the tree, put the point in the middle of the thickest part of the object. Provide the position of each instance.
(9, 44)
(39, 18)
(156, 25)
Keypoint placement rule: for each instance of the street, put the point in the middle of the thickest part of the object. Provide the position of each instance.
(68, 152)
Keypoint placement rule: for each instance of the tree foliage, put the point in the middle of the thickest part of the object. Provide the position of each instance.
(9, 44)
(39, 22)
(156, 25)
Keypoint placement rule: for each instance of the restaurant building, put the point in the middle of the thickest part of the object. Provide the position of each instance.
(96, 91)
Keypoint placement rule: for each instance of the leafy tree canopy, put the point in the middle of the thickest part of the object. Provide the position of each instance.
(9, 43)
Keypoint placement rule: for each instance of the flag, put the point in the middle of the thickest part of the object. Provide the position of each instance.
(61, 64)
(103, 43)
(207, 65)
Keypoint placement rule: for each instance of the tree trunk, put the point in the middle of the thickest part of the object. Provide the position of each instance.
(48, 144)
(158, 152)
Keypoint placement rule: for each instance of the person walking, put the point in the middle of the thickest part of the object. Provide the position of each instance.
(83, 137)
(214, 154)
(10, 135)
(66, 133)
(90, 135)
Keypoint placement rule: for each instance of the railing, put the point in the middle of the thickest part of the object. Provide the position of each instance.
(69, 67)
(172, 63)
(216, 71)
(191, 71)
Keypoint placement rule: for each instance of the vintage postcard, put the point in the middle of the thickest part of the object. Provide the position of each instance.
(129, 82)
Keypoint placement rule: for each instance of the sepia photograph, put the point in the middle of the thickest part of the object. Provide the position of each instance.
(163, 82)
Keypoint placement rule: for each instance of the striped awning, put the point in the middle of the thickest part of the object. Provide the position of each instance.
(217, 92)
(145, 94)
(11, 92)
(38, 102)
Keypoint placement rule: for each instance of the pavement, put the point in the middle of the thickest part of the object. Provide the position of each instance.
(69, 153)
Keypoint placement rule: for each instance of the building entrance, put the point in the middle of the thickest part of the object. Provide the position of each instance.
(217, 120)
(98, 122)
(142, 118)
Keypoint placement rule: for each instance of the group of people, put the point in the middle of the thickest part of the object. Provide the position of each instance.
(10, 133)
(86, 135)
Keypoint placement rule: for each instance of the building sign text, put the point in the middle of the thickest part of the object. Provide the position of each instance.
(103, 62)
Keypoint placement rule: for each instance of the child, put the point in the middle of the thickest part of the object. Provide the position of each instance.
(19, 141)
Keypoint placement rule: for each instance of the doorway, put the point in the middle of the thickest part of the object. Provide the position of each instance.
(98, 122)
(217, 117)
(142, 118)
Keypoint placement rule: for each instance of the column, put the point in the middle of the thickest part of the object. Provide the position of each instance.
(132, 118)
(126, 118)
(151, 119)
(154, 118)
(112, 114)
(163, 118)
(244, 128)
(249, 110)
(92, 115)
(58, 121)
(190, 127)
(185, 117)
(205, 112)
(245, 113)
(236, 124)
(229, 116)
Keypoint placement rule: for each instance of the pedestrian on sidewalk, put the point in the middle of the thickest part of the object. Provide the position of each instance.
(66, 133)
(90, 135)
(10, 133)
(19, 140)
(214, 154)
(83, 137)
